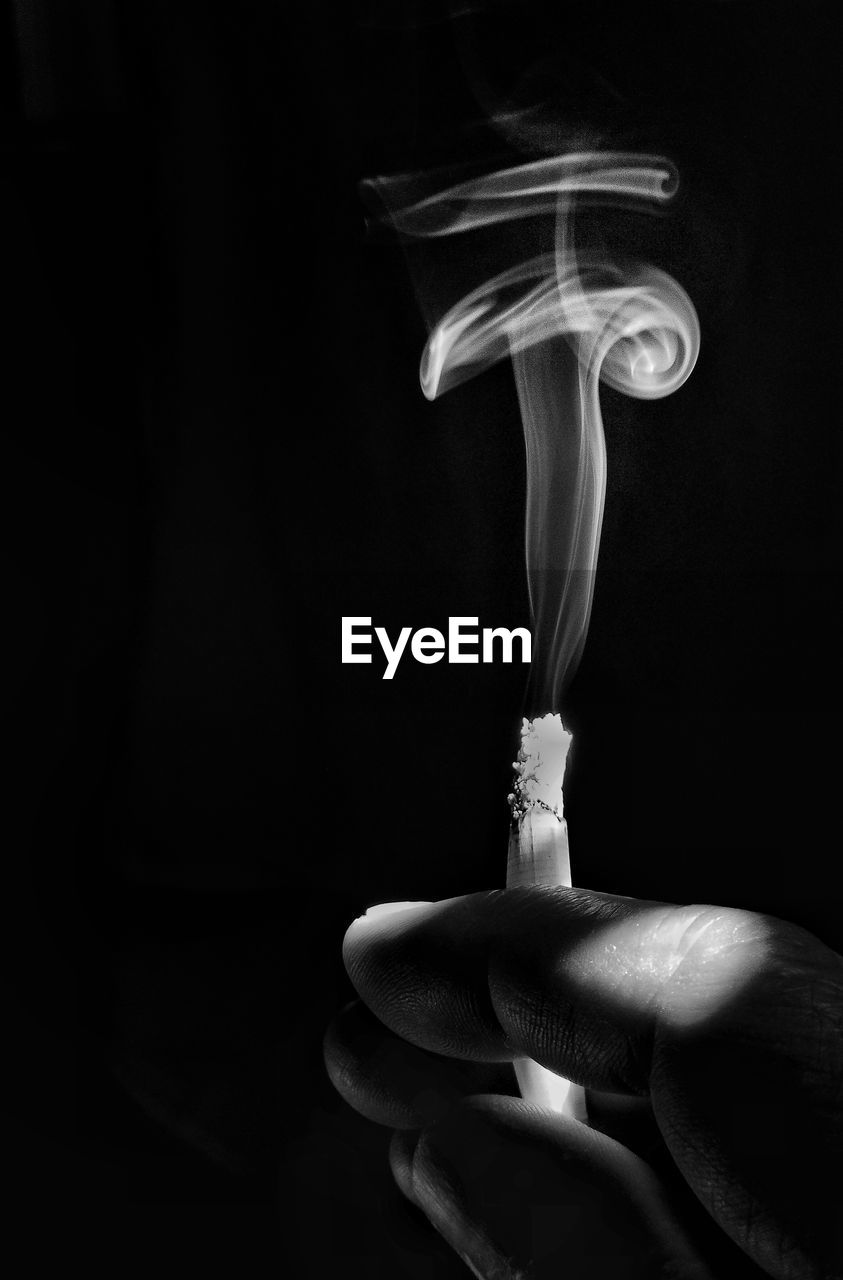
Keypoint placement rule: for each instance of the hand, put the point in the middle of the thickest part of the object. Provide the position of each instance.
(711, 1037)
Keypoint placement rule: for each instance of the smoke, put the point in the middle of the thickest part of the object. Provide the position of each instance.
(568, 320)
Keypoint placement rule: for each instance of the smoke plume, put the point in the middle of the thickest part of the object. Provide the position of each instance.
(568, 320)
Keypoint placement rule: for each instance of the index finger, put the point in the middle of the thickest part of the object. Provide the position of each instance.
(580, 981)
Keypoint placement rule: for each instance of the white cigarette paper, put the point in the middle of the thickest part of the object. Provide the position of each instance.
(538, 855)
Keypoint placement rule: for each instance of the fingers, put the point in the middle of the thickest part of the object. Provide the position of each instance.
(731, 1022)
(519, 1193)
(391, 1082)
(579, 981)
(394, 1083)
(575, 980)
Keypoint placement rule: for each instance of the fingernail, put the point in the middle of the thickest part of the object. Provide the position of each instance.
(401, 1150)
(383, 909)
(454, 1167)
(384, 919)
(477, 1253)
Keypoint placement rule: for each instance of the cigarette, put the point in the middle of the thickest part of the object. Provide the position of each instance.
(539, 855)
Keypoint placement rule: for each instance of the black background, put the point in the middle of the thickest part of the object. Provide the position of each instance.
(216, 447)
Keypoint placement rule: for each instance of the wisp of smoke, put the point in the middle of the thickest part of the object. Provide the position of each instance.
(568, 321)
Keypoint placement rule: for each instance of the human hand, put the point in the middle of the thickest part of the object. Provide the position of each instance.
(713, 1038)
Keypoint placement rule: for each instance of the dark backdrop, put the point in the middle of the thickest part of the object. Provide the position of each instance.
(216, 447)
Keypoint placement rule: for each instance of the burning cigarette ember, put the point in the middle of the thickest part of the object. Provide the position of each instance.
(538, 839)
(538, 855)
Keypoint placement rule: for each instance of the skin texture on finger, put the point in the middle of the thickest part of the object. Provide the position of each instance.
(521, 1193)
(394, 1083)
(433, 977)
(391, 1082)
(730, 1021)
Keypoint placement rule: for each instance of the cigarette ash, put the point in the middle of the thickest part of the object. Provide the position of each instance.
(540, 767)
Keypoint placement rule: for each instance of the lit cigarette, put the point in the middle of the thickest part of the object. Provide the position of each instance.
(538, 855)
